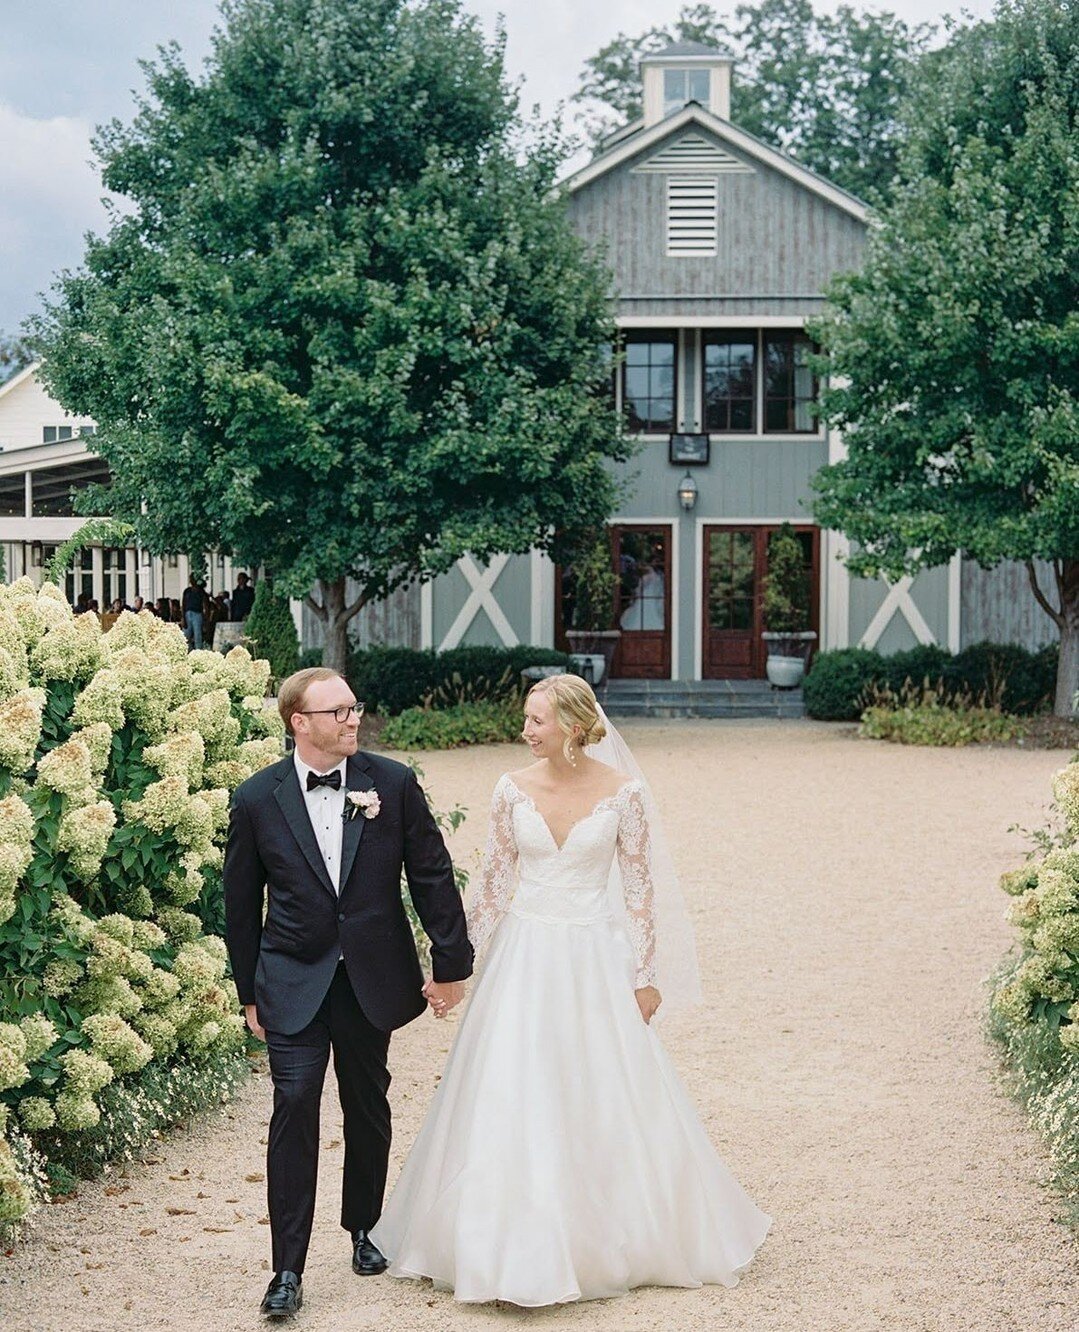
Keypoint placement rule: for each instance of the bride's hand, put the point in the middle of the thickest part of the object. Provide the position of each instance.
(648, 1000)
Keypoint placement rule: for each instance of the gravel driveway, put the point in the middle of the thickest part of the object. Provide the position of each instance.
(847, 911)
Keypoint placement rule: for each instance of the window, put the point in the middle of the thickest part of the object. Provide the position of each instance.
(80, 577)
(790, 386)
(685, 85)
(730, 381)
(648, 382)
(53, 434)
(692, 216)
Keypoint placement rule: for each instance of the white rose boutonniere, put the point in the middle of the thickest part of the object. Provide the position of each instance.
(366, 803)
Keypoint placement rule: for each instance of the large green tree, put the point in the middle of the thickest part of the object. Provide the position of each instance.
(955, 350)
(826, 88)
(343, 327)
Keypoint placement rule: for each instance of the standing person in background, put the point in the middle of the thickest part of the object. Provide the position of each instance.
(194, 606)
(243, 598)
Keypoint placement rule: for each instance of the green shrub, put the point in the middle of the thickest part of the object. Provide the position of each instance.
(272, 632)
(927, 715)
(834, 684)
(118, 753)
(481, 723)
(1020, 681)
(1034, 994)
(389, 680)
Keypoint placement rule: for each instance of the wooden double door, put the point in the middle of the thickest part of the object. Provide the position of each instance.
(735, 565)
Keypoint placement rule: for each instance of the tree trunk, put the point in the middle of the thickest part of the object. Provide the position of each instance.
(335, 625)
(335, 614)
(1068, 669)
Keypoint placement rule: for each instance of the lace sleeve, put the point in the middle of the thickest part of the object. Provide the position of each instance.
(634, 863)
(497, 879)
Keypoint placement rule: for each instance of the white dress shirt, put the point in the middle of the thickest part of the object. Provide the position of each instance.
(326, 810)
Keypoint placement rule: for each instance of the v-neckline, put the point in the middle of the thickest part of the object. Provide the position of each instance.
(603, 800)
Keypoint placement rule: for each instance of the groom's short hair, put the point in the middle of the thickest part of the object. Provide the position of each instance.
(291, 693)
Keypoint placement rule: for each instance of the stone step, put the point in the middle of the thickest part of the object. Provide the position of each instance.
(700, 698)
(702, 708)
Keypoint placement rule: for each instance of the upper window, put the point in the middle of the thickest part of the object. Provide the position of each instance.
(51, 434)
(685, 85)
(648, 381)
(730, 381)
(790, 386)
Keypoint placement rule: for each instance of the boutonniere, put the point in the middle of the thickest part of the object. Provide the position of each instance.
(366, 803)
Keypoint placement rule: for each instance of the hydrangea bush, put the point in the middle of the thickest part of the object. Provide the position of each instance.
(1034, 1008)
(118, 755)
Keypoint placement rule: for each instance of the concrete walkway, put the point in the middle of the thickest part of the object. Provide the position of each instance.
(847, 911)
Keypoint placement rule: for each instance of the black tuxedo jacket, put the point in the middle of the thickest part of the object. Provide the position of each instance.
(285, 962)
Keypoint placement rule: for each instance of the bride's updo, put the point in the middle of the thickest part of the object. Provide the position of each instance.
(574, 704)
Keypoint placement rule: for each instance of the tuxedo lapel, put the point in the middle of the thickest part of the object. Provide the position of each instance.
(358, 777)
(290, 799)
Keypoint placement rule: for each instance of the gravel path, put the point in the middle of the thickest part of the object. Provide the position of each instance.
(847, 912)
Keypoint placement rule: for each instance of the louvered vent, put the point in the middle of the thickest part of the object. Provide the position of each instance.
(691, 217)
(693, 154)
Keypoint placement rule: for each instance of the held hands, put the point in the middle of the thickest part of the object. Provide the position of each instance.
(648, 1000)
(443, 995)
(252, 1015)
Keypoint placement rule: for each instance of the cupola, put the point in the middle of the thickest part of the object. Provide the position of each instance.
(686, 72)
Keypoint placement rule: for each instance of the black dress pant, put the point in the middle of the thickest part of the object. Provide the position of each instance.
(298, 1067)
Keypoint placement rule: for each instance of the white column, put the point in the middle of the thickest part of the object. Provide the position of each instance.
(955, 601)
(541, 619)
(835, 594)
(98, 576)
(28, 492)
(130, 569)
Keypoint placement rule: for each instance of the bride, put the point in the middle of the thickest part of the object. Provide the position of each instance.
(561, 1158)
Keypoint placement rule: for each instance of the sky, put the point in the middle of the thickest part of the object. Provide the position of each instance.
(68, 65)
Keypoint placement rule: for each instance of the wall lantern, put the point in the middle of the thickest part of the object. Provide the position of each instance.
(37, 554)
(687, 492)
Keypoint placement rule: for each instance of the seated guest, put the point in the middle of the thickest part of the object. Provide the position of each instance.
(82, 603)
(117, 606)
(161, 610)
(176, 615)
(138, 604)
(224, 607)
(243, 598)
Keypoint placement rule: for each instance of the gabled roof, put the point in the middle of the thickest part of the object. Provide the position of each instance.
(20, 378)
(695, 114)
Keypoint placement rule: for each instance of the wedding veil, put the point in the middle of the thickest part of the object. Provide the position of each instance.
(677, 973)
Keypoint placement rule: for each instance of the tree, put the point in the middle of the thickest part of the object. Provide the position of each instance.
(956, 348)
(343, 330)
(272, 631)
(826, 88)
(15, 355)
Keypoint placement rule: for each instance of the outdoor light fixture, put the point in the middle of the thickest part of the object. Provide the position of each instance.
(37, 554)
(687, 492)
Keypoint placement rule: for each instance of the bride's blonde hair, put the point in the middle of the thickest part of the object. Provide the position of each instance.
(574, 705)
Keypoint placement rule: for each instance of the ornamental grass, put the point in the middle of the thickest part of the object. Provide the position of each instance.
(118, 755)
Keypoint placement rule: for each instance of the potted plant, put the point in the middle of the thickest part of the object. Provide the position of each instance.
(591, 585)
(785, 607)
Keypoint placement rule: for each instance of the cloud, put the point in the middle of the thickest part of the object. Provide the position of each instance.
(50, 195)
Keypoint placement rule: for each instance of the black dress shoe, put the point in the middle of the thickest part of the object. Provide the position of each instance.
(284, 1295)
(366, 1259)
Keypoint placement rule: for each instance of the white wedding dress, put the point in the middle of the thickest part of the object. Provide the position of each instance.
(561, 1158)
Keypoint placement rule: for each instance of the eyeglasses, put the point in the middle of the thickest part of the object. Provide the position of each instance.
(339, 714)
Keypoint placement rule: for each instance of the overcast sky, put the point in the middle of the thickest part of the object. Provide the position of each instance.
(68, 65)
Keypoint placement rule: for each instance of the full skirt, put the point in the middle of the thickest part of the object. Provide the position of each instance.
(561, 1158)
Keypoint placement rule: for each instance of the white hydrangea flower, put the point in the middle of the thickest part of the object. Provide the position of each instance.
(97, 737)
(101, 701)
(13, 1069)
(117, 1042)
(41, 1035)
(180, 754)
(1066, 794)
(70, 650)
(36, 1114)
(20, 728)
(67, 768)
(84, 833)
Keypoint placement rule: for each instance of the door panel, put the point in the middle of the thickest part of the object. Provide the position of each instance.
(642, 559)
(735, 566)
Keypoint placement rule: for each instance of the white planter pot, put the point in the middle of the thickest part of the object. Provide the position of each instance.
(785, 672)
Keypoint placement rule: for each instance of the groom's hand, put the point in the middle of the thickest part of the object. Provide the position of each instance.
(443, 995)
(252, 1015)
(648, 1000)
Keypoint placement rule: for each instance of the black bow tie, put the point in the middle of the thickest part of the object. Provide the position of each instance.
(324, 779)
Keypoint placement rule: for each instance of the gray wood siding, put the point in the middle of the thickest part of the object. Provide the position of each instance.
(929, 592)
(512, 591)
(776, 240)
(998, 605)
(394, 621)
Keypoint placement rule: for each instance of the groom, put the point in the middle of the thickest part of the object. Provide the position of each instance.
(320, 840)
